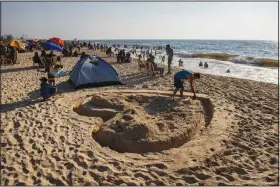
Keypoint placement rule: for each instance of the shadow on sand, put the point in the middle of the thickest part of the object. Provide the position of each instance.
(65, 87)
(19, 104)
(21, 69)
(136, 79)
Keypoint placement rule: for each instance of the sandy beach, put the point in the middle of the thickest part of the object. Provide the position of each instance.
(227, 136)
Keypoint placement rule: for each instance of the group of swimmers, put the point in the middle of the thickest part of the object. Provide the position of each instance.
(206, 66)
(201, 64)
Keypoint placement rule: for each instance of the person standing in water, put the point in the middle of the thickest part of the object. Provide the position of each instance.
(163, 59)
(180, 62)
(179, 78)
(169, 52)
(206, 65)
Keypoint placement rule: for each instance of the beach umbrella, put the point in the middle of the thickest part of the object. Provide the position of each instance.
(42, 40)
(51, 46)
(33, 41)
(28, 44)
(15, 44)
(58, 41)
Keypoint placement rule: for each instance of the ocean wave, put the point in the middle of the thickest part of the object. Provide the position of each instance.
(232, 58)
(247, 60)
(184, 55)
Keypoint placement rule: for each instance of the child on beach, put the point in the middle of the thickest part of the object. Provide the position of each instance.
(179, 78)
(46, 90)
(163, 59)
(180, 62)
(51, 78)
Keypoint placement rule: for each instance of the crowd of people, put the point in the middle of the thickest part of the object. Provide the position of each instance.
(77, 44)
(72, 49)
(123, 57)
(52, 64)
(8, 55)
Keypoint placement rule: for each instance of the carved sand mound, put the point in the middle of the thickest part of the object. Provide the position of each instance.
(140, 123)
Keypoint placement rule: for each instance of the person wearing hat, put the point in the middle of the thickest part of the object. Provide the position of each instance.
(46, 90)
(169, 52)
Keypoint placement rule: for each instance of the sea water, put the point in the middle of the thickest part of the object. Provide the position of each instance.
(240, 67)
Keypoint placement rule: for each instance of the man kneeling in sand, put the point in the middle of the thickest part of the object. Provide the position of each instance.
(179, 81)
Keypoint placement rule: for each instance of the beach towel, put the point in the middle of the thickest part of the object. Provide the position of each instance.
(57, 73)
(60, 73)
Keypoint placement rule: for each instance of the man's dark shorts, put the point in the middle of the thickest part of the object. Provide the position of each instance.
(178, 83)
(169, 60)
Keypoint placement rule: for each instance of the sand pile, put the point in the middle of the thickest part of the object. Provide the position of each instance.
(140, 123)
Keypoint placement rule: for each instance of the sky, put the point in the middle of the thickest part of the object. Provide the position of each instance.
(141, 20)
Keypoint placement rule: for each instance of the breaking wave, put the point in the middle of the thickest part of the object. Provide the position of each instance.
(232, 58)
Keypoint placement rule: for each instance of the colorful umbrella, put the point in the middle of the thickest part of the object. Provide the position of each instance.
(33, 41)
(28, 44)
(58, 41)
(43, 40)
(15, 44)
(51, 46)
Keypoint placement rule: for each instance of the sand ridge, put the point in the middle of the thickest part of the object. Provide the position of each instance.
(50, 144)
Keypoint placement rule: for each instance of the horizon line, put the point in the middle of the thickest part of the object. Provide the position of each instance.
(31, 38)
(187, 39)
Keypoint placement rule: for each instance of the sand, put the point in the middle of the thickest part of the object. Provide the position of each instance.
(228, 136)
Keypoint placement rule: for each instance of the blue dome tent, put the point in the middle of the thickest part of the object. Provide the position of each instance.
(93, 71)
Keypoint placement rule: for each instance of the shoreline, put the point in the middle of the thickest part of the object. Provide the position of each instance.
(177, 68)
